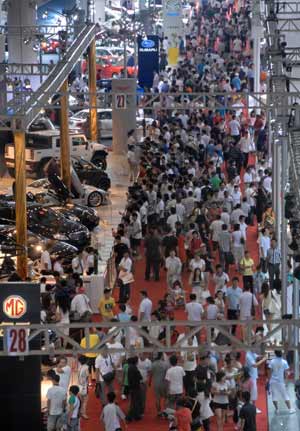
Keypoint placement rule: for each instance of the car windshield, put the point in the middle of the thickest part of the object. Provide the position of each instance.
(81, 115)
(39, 183)
(46, 216)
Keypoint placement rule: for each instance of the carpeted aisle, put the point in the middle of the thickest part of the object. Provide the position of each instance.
(156, 291)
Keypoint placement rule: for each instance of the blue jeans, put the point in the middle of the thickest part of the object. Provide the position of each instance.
(74, 425)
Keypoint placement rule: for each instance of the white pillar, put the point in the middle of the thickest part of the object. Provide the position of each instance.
(256, 61)
(99, 11)
(21, 14)
(123, 112)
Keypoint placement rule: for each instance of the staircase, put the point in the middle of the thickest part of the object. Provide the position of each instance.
(60, 72)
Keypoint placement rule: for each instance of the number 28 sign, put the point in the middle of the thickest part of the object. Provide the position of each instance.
(17, 341)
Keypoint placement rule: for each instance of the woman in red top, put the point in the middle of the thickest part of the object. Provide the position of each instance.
(183, 416)
(195, 243)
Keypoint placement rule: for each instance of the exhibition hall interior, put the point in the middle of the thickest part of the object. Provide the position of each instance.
(149, 215)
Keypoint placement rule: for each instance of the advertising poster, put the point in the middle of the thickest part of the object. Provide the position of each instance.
(173, 28)
(148, 59)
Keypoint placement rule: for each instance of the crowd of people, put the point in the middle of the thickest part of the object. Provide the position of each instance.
(199, 206)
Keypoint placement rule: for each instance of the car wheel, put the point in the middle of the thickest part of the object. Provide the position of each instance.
(95, 199)
(11, 172)
(100, 162)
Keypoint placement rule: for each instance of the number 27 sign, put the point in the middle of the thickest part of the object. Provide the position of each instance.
(17, 341)
(120, 101)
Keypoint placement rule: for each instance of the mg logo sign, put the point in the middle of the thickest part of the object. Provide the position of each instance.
(14, 306)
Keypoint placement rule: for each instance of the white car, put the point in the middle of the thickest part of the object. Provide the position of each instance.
(79, 120)
(81, 194)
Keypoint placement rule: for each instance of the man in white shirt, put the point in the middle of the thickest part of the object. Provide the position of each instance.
(267, 182)
(112, 415)
(173, 219)
(64, 371)
(236, 196)
(247, 302)
(225, 217)
(220, 279)
(278, 368)
(117, 357)
(264, 245)
(193, 309)
(216, 229)
(174, 378)
(81, 304)
(104, 369)
(235, 128)
(145, 366)
(180, 210)
(78, 264)
(145, 307)
(45, 260)
(56, 401)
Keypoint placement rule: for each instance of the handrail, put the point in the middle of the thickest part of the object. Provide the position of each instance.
(57, 75)
(272, 340)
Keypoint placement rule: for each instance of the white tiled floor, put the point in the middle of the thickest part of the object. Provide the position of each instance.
(111, 214)
(284, 421)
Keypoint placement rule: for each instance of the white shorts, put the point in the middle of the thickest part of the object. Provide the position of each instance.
(278, 390)
(253, 394)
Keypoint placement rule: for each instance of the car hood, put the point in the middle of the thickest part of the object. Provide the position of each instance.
(89, 189)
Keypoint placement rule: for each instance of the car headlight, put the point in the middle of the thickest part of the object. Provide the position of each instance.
(60, 237)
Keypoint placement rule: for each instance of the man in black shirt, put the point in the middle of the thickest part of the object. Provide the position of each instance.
(152, 253)
(119, 250)
(247, 414)
(134, 383)
(169, 242)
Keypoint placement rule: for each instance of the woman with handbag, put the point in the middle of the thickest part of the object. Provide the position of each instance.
(266, 303)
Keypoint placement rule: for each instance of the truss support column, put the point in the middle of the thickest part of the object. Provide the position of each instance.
(65, 163)
(284, 246)
(296, 330)
(20, 197)
(276, 174)
(256, 59)
(93, 91)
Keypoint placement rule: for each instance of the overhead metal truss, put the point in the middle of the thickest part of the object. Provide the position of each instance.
(287, 8)
(26, 69)
(281, 336)
(38, 30)
(149, 101)
(292, 56)
(289, 25)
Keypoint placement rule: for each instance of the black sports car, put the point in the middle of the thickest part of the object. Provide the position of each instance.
(49, 224)
(79, 213)
(36, 244)
(91, 174)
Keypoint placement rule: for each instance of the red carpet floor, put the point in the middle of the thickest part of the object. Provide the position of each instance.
(150, 422)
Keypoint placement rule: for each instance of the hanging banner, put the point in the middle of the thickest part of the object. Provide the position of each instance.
(148, 59)
(173, 28)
